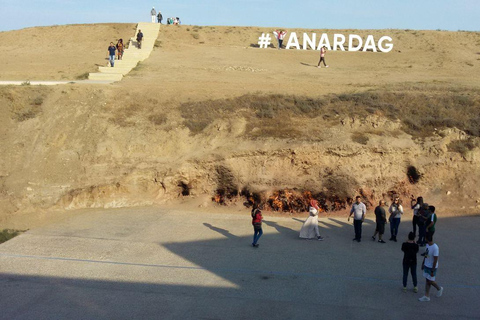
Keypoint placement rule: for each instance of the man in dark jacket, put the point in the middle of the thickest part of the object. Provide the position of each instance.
(159, 17)
(381, 219)
(139, 39)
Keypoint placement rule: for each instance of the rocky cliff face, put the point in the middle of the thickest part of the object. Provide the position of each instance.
(68, 155)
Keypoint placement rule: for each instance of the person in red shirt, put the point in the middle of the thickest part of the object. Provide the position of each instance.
(257, 226)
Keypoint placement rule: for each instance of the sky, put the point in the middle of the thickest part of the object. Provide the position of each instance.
(450, 15)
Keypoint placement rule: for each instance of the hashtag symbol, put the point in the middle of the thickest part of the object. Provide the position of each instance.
(264, 40)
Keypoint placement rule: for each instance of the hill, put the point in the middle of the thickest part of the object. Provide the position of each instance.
(209, 115)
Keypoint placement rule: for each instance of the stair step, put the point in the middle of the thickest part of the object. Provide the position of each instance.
(115, 69)
(105, 76)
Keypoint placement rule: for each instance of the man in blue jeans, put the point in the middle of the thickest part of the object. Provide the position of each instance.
(111, 53)
(358, 210)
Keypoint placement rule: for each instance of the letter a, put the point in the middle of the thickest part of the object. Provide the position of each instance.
(293, 41)
(370, 44)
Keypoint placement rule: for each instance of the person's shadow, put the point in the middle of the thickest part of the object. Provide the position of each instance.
(282, 230)
(308, 65)
(223, 232)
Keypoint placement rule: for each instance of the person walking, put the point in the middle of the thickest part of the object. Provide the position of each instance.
(410, 250)
(416, 205)
(280, 35)
(310, 227)
(159, 17)
(257, 226)
(381, 220)
(153, 13)
(358, 210)
(323, 51)
(424, 216)
(120, 49)
(111, 53)
(139, 39)
(431, 222)
(429, 267)
(396, 211)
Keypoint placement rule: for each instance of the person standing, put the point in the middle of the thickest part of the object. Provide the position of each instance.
(257, 226)
(323, 51)
(139, 39)
(280, 35)
(410, 250)
(120, 48)
(159, 17)
(429, 267)
(424, 216)
(310, 227)
(111, 53)
(153, 13)
(416, 205)
(431, 222)
(381, 220)
(396, 211)
(358, 210)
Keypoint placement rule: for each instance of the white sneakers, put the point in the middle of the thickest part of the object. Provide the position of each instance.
(440, 292)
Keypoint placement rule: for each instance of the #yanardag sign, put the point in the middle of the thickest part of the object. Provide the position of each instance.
(352, 42)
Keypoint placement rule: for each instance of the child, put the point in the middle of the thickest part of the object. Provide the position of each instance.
(257, 226)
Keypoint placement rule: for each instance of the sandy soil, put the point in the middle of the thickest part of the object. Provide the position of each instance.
(97, 146)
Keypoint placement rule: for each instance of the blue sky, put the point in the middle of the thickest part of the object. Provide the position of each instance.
(340, 14)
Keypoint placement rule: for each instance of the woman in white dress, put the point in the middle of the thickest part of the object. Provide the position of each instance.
(310, 226)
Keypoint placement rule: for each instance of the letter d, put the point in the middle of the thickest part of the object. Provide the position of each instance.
(350, 42)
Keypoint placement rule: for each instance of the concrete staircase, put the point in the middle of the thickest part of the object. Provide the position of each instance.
(131, 56)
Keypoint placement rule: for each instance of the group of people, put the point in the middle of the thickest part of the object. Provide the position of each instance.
(280, 35)
(159, 17)
(117, 50)
(424, 218)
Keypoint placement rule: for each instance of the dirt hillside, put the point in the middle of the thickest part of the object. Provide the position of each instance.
(210, 114)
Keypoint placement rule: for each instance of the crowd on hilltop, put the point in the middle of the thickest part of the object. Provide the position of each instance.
(424, 218)
(158, 17)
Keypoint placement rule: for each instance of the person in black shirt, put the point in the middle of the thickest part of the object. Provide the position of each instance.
(381, 219)
(139, 39)
(410, 250)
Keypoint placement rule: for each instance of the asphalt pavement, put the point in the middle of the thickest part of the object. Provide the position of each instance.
(158, 263)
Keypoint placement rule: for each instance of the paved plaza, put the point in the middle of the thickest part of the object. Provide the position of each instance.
(159, 263)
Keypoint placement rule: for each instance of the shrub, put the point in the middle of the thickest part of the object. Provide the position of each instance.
(8, 234)
(462, 146)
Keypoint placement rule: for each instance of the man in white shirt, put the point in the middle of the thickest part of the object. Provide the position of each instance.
(358, 210)
(153, 13)
(429, 267)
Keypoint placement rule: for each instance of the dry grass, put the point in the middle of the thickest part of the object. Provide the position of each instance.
(23, 102)
(462, 146)
(360, 137)
(7, 234)
(420, 108)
